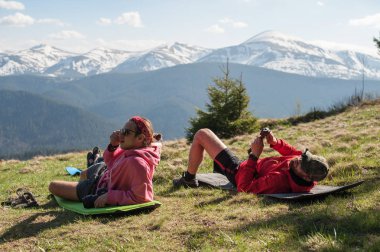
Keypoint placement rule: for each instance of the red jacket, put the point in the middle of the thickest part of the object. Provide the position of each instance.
(271, 174)
(129, 175)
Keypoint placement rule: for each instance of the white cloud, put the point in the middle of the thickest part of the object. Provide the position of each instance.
(104, 21)
(17, 19)
(239, 24)
(11, 5)
(50, 21)
(68, 34)
(22, 20)
(320, 3)
(233, 23)
(215, 29)
(130, 18)
(372, 20)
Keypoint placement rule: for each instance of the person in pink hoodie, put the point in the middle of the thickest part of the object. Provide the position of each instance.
(126, 178)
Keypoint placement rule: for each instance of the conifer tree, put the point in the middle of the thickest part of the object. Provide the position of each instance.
(227, 113)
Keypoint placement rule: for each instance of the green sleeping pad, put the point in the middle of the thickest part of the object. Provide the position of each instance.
(79, 208)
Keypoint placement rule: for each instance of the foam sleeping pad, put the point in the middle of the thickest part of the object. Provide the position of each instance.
(220, 181)
(78, 207)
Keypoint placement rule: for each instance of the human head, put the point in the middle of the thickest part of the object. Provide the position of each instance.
(138, 132)
(316, 167)
(131, 136)
(143, 127)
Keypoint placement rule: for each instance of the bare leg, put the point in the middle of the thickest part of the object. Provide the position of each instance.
(204, 139)
(64, 189)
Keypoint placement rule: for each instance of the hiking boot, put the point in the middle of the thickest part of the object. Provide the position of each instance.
(95, 150)
(90, 159)
(185, 183)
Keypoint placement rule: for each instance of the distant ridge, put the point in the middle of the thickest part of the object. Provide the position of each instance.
(269, 49)
(33, 125)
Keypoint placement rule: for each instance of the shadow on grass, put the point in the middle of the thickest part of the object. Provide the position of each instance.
(109, 218)
(50, 204)
(37, 223)
(353, 227)
(353, 230)
(168, 192)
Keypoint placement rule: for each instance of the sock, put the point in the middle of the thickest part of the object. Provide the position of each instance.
(188, 176)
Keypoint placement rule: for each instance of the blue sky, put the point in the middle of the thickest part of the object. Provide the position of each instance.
(81, 25)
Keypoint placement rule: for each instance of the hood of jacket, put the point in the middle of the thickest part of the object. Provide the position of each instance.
(150, 154)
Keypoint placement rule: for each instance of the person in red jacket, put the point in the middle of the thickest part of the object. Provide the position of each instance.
(293, 171)
(126, 175)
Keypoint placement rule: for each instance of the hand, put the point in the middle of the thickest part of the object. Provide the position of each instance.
(115, 138)
(101, 200)
(264, 132)
(271, 139)
(257, 146)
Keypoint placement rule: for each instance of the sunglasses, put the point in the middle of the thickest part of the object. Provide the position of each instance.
(126, 132)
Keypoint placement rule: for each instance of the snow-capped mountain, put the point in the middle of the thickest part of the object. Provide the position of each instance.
(162, 56)
(31, 61)
(97, 61)
(272, 50)
(50, 61)
(284, 53)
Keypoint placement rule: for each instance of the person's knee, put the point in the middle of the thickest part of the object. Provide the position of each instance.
(53, 187)
(202, 134)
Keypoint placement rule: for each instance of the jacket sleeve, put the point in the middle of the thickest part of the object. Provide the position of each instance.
(109, 157)
(285, 149)
(137, 184)
(273, 182)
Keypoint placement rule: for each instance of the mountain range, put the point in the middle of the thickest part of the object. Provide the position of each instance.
(170, 96)
(271, 50)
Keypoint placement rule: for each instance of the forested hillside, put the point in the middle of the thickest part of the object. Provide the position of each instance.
(31, 124)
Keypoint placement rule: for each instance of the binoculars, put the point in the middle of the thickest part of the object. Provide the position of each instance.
(264, 132)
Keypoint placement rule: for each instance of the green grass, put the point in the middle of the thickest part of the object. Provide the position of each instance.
(210, 220)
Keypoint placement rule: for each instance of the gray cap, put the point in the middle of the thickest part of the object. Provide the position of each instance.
(315, 166)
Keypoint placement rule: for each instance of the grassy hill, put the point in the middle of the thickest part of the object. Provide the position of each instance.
(210, 220)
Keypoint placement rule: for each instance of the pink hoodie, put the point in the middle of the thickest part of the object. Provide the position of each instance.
(129, 175)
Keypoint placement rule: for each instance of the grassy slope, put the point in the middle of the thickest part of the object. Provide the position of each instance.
(205, 219)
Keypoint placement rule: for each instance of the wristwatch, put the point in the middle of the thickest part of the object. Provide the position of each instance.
(252, 157)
